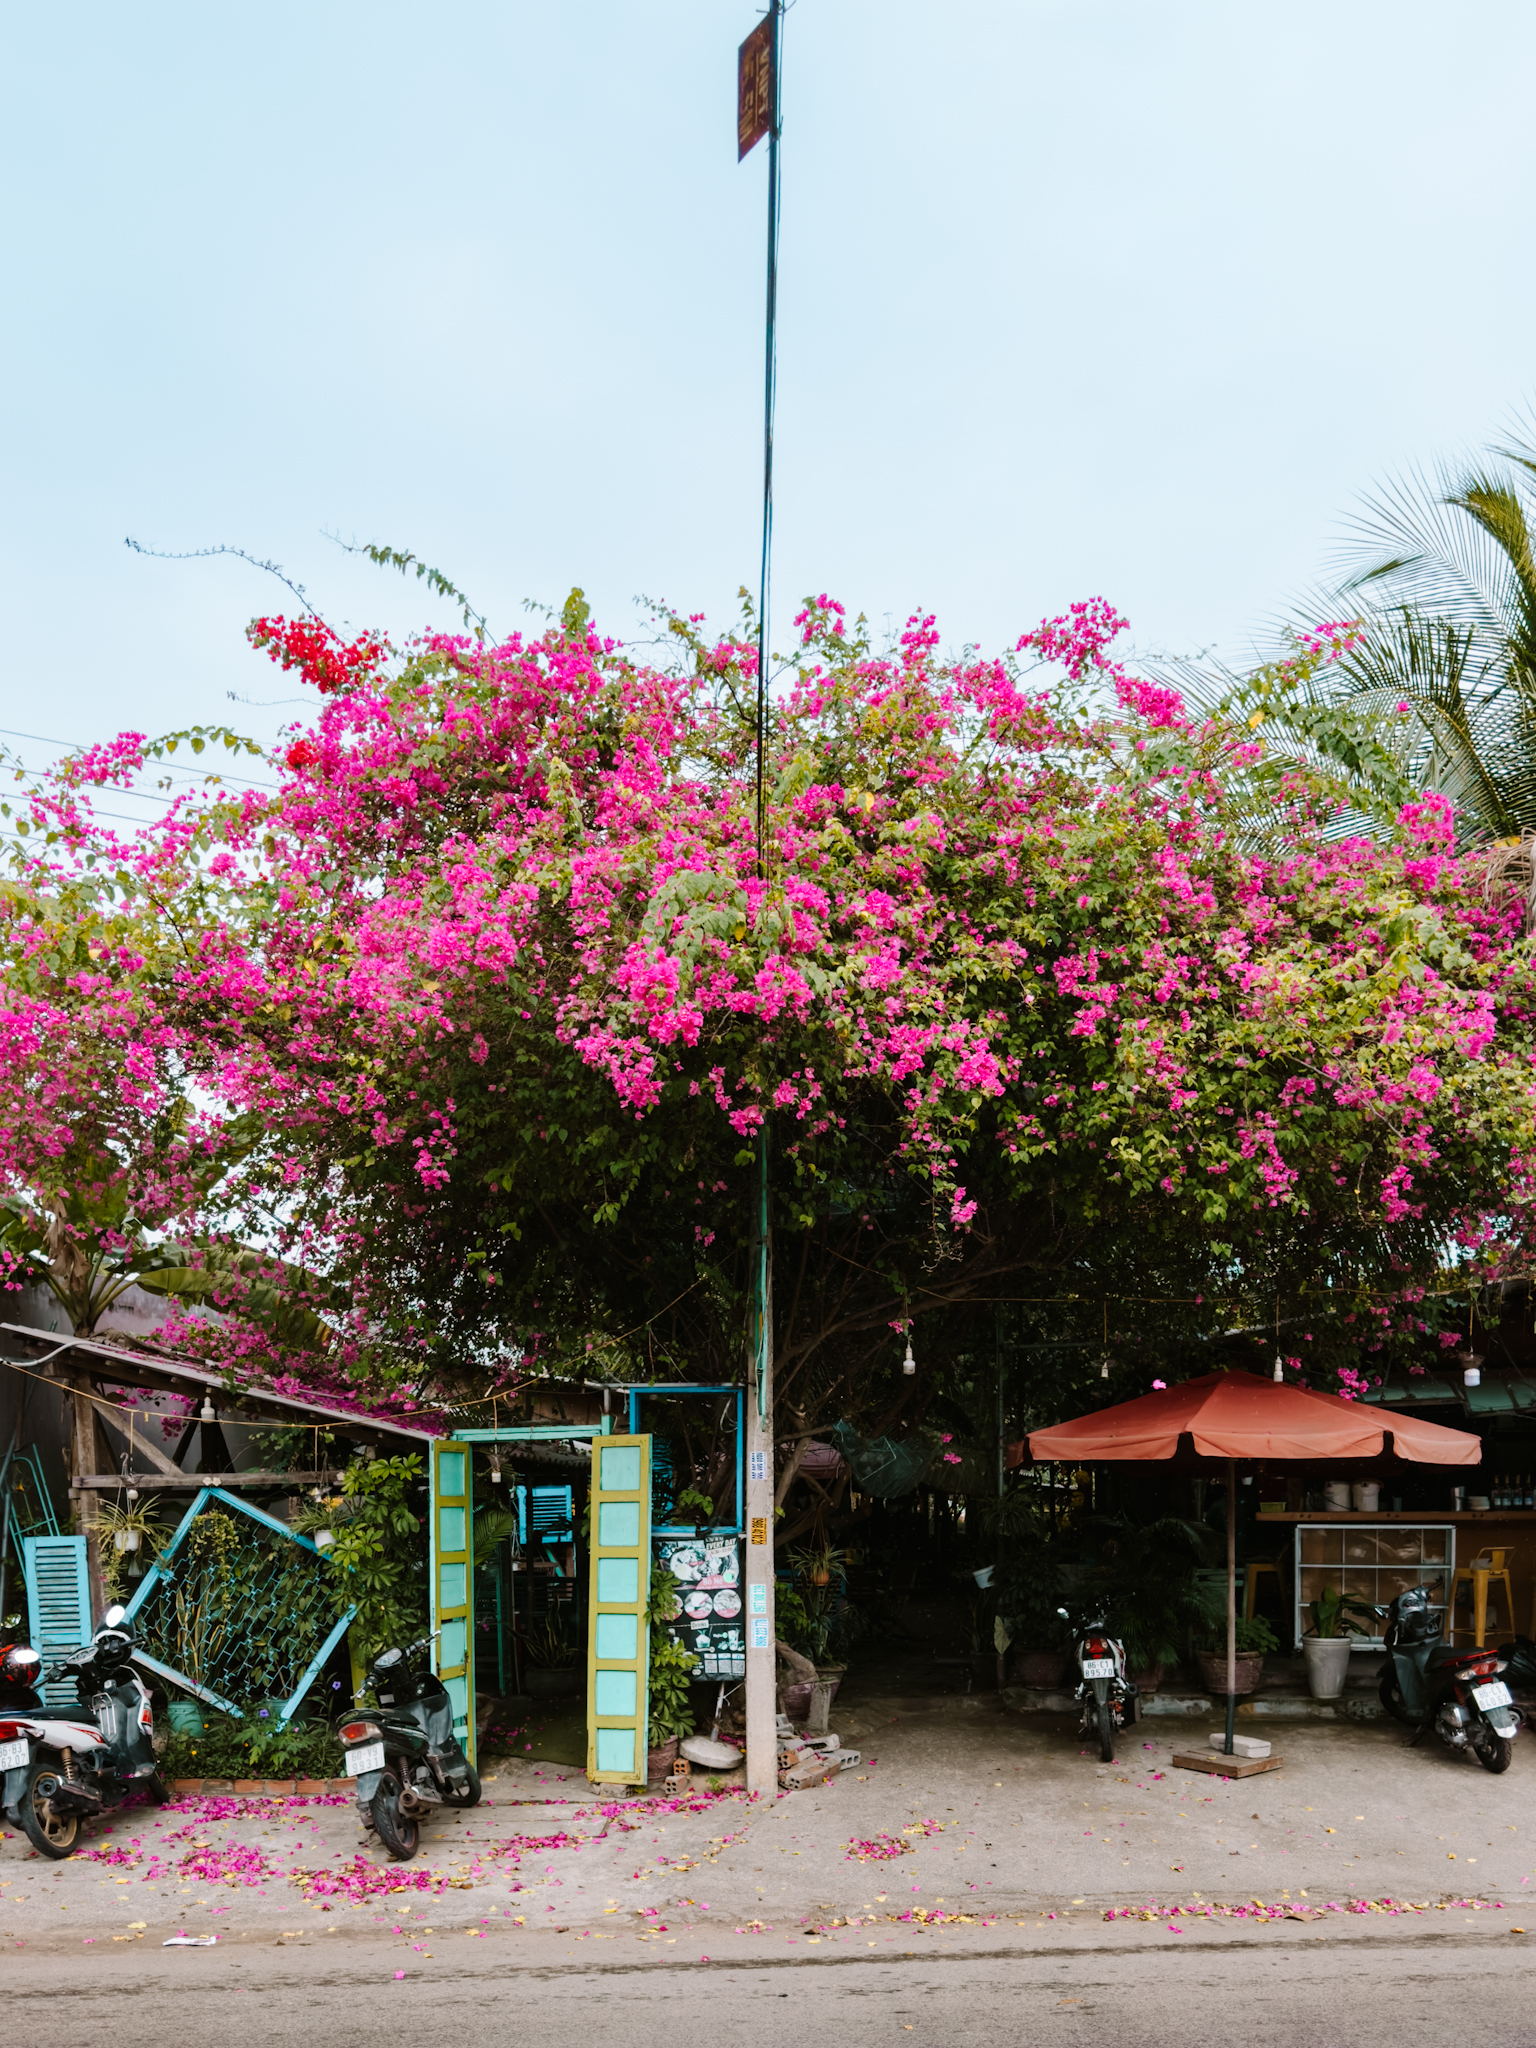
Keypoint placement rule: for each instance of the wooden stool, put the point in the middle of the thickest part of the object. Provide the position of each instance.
(1477, 1577)
(1251, 1591)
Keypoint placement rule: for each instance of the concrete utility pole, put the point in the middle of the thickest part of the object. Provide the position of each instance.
(762, 1698)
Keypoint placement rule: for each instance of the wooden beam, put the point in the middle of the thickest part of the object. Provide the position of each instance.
(189, 1482)
(117, 1423)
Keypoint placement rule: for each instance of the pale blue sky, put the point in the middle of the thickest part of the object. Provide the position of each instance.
(1129, 299)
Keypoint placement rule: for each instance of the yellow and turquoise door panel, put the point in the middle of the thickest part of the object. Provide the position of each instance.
(453, 1539)
(618, 1642)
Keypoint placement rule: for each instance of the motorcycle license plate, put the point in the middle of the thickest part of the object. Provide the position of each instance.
(1098, 1667)
(12, 1755)
(369, 1758)
(1496, 1694)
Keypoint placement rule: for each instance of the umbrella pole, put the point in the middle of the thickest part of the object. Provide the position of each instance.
(1231, 1603)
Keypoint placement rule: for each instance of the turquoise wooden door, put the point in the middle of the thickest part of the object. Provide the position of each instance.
(618, 1642)
(453, 1598)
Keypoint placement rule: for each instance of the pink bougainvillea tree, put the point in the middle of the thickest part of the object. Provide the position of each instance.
(505, 989)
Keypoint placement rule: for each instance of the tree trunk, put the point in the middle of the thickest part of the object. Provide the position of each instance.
(84, 1457)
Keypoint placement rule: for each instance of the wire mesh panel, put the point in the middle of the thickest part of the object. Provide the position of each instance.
(237, 1608)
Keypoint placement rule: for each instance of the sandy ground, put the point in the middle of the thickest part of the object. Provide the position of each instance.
(971, 1826)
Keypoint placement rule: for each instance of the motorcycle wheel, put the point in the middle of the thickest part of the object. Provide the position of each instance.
(1390, 1695)
(467, 1794)
(1493, 1751)
(1106, 1732)
(51, 1834)
(399, 1832)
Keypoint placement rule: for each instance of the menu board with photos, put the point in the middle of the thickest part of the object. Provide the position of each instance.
(710, 1622)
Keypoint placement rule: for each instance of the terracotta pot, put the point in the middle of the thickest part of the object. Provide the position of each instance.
(1213, 1670)
(1149, 1679)
(1043, 1668)
(659, 1761)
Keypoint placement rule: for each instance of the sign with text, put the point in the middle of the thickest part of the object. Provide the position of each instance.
(708, 1571)
(754, 88)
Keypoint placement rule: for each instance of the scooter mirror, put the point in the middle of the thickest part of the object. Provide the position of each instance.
(113, 1616)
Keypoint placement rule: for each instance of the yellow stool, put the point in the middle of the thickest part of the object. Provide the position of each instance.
(1477, 1577)
(1251, 1590)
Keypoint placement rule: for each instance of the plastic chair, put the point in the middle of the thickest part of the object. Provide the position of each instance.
(1477, 1577)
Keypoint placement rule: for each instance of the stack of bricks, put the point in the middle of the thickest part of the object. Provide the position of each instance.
(675, 1784)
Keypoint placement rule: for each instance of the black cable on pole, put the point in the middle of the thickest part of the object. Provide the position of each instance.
(770, 372)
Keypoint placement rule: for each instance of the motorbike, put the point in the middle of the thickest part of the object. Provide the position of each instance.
(1429, 1684)
(1108, 1697)
(58, 1768)
(407, 1760)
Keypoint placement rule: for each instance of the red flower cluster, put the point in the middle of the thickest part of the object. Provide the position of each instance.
(321, 655)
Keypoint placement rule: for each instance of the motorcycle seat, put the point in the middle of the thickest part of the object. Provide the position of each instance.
(1447, 1653)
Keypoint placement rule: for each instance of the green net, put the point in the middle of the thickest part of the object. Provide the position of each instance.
(236, 1606)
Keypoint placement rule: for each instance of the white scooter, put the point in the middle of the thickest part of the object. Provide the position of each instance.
(59, 1768)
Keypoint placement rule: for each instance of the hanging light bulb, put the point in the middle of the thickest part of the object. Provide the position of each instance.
(1279, 1372)
(909, 1363)
(495, 1468)
(1104, 1365)
(205, 1413)
(1471, 1368)
(133, 1493)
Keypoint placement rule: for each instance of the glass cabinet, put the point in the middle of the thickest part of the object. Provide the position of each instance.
(1373, 1562)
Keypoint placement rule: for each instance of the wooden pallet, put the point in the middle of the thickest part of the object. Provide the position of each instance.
(1221, 1766)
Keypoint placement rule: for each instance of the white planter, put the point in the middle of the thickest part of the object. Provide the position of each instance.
(125, 1539)
(1327, 1665)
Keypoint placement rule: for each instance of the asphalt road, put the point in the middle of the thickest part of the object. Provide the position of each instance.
(1275, 1988)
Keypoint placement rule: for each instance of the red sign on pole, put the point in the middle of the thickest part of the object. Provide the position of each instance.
(754, 87)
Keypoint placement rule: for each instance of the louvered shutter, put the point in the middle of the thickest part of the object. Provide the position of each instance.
(58, 1604)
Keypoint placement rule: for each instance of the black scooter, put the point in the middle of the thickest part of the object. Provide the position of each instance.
(1109, 1699)
(408, 1760)
(1429, 1684)
(59, 1767)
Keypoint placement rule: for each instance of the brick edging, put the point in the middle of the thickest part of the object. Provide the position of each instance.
(256, 1787)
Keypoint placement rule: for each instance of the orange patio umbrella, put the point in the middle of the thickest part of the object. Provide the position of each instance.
(1233, 1415)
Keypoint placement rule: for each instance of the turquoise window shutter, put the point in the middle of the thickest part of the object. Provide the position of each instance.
(58, 1604)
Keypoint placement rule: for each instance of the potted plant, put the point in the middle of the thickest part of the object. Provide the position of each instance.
(136, 1533)
(1255, 1639)
(550, 1669)
(670, 1669)
(1328, 1642)
(1029, 1588)
(818, 1570)
(1153, 1593)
